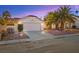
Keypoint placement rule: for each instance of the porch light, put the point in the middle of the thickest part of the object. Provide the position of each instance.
(42, 24)
(20, 22)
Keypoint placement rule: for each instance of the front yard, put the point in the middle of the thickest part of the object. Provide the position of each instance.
(63, 32)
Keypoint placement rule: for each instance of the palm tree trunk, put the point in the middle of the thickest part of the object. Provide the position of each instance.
(50, 26)
(56, 27)
(62, 26)
(70, 25)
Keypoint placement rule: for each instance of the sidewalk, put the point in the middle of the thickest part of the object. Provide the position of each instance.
(66, 35)
(14, 41)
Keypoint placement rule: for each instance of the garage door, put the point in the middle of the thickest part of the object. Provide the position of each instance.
(32, 27)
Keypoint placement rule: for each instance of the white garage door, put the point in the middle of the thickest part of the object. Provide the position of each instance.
(31, 26)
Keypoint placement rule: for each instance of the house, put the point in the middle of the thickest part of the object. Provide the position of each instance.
(77, 22)
(12, 22)
(31, 23)
(67, 24)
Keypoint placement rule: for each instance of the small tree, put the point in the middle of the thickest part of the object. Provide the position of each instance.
(20, 27)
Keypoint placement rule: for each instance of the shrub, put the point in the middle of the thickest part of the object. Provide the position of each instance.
(20, 27)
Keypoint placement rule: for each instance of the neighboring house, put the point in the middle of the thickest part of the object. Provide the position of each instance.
(31, 23)
(77, 22)
(67, 24)
(12, 22)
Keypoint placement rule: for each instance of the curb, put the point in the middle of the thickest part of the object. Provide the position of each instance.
(14, 41)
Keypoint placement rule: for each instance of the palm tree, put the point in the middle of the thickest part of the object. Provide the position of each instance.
(55, 19)
(65, 15)
(59, 17)
(48, 20)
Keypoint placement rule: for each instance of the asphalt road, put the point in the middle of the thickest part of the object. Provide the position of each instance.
(63, 44)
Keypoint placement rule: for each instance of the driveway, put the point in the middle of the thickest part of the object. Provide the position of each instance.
(38, 35)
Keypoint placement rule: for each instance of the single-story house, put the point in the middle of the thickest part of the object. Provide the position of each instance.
(31, 23)
(77, 22)
(67, 24)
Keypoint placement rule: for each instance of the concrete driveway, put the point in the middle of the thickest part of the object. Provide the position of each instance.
(38, 35)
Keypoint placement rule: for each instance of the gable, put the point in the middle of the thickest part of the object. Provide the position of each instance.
(31, 19)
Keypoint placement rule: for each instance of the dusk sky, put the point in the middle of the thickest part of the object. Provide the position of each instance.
(37, 10)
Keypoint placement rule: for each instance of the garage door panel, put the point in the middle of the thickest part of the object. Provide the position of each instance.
(32, 27)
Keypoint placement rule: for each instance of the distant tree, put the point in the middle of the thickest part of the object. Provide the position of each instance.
(1, 21)
(6, 15)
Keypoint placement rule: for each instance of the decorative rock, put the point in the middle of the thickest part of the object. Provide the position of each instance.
(10, 34)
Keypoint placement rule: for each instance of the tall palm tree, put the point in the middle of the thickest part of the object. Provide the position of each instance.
(65, 15)
(59, 17)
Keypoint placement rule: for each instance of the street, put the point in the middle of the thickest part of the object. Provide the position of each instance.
(61, 44)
